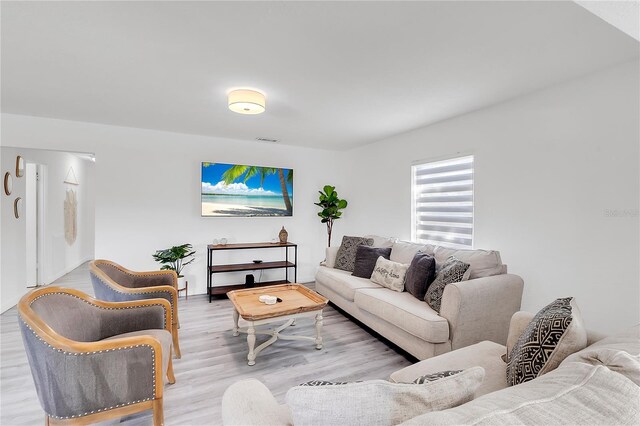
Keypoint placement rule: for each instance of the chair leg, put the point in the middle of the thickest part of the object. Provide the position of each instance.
(176, 343)
(158, 413)
(170, 376)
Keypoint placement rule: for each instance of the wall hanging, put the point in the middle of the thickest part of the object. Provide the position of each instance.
(8, 183)
(17, 207)
(70, 217)
(71, 177)
(19, 166)
(236, 190)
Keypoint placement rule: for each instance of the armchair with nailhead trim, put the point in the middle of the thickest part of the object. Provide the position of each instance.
(115, 283)
(93, 360)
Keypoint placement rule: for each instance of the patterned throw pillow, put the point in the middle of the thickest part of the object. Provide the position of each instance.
(554, 333)
(420, 275)
(346, 257)
(389, 274)
(366, 258)
(323, 383)
(436, 376)
(453, 271)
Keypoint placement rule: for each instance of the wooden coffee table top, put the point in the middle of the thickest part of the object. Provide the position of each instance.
(296, 299)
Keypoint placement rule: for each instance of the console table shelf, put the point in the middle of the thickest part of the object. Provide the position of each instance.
(239, 267)
(235, 267)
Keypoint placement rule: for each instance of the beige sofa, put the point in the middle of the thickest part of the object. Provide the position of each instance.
(472, 311)
(597, 385)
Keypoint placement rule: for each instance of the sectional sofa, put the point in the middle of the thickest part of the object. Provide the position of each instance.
(472, 311)
(597, 385)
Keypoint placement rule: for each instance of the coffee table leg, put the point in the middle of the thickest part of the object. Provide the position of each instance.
(319, 330)
(251, 340)
(236, 318)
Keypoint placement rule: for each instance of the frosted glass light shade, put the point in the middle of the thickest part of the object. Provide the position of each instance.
(244, 101)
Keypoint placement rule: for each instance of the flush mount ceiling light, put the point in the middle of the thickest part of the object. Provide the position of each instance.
(245, 101)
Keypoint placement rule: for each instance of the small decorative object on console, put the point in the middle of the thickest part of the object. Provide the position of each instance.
(283, 235)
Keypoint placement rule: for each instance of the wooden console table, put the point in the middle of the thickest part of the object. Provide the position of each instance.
(250, 266)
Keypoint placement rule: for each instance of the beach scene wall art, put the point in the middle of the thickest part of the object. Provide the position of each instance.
(235, 190)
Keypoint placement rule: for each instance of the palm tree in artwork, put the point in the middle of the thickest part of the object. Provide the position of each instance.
(237, 172)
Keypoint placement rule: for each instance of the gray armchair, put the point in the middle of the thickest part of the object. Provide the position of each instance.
(116, 283)
(93, 360)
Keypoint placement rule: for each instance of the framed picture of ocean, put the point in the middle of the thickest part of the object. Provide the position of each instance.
(235, 190)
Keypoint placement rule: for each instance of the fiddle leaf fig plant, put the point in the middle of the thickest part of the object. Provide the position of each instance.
(174, 258)
(331, 206)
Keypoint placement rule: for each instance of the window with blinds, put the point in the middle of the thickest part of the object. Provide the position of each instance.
(442, 193)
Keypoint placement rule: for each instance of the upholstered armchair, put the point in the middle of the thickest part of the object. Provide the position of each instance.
(116, 283)
(93, 360)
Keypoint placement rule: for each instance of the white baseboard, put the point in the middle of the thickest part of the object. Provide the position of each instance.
(65, 271)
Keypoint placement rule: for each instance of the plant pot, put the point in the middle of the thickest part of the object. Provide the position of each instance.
(182, 284)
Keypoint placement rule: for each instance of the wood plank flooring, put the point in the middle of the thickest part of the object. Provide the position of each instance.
(212, 359)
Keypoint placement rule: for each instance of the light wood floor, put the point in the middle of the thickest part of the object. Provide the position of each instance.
(212, 359)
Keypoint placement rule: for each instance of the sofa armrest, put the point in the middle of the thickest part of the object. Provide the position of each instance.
(481, 309)
(250, 403)
(330, 257)
(519, 321)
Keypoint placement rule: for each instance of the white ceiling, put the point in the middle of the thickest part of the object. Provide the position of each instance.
(624, 14)
(336, 75)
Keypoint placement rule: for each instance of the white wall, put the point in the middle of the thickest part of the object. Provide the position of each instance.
(147, 192)
(548, 168)
(59, 257)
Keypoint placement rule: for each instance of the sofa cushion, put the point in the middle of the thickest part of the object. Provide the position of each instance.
(404, 251)
(366, 258)
(554, 333)
(378, 402)
(346, 257)
(421, 273)
(620, 352)
(453, 271)
(579, 394)
(483, 263)
(380, 241)
(485, 354)
(389, 274)
(405, 312)
(342, 282)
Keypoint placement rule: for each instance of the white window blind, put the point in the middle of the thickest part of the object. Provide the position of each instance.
(443, 202)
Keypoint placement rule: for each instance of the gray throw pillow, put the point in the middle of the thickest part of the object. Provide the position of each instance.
(554, 333)
(420, 275)
(366, 258)
(346, 257)
(453, 271)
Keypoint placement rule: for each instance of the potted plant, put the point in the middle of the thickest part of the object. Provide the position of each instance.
(331, 206)
(175, 259)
